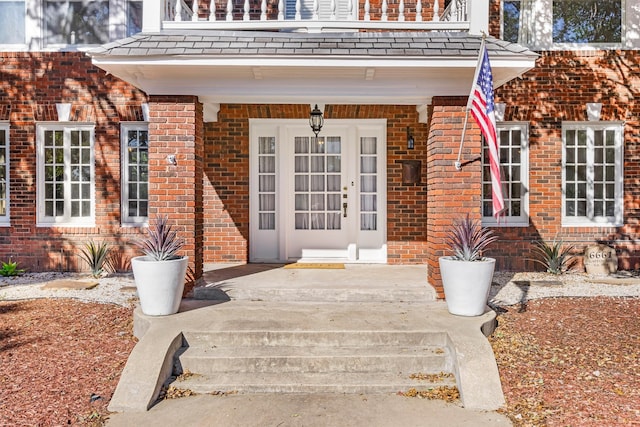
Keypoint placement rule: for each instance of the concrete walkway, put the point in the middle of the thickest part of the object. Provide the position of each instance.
(290, 300)
(317, 410)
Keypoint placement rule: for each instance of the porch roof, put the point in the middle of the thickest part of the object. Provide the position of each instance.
(285, 67)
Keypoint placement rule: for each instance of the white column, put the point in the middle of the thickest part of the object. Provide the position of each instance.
(194, 16)
(152, 16)
(478, 15)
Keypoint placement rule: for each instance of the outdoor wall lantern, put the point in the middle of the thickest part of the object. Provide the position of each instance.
(410, 141)
(316, 120)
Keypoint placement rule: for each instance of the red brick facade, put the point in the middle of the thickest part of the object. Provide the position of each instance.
(207, 191)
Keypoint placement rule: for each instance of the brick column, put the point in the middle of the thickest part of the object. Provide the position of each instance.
(176, 129)
(450, 193)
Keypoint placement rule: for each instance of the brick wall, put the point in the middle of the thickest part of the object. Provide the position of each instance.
(557, 90)
(450, 193)
(30, 86)
(226, 193)
(175, 190)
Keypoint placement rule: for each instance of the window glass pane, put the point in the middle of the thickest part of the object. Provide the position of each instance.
(12, 22)
(76, 22)
(134, 17)
(511, 20)
(587, 21)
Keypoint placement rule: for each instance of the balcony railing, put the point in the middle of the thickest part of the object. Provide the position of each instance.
(316, 15)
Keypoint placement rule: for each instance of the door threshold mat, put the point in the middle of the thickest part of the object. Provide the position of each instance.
(317, 265)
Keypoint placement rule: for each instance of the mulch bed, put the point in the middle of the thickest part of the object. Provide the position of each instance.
(60, 360)
(570, 361)
(562, 361)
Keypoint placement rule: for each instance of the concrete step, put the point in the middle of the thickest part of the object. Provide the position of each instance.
(313, 359)
(271, 338)
(299, 382)
(353, 361)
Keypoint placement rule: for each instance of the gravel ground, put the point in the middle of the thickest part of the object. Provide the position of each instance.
(113, 289)
(562, 360)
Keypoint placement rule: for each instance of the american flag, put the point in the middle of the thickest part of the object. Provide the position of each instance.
(482, 110)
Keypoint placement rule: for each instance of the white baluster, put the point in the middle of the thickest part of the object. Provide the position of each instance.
(401, 11)
(315, 16)
(263, 10)
(178, 16)
(332, 6)
(385, 6)
(436, 11)
(246, 16)
(454, 11)
(298, 16)
(229, 10)
(212, 11)
(280, 10)
(419, 11)
(367, 7)
(195, 16)
(350, 12)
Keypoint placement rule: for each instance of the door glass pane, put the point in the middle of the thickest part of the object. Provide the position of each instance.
(266, 183)
(368, 183)
(317, 193)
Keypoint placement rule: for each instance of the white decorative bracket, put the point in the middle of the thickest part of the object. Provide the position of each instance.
(499, 109)
(145, 112)
(210, 111)
(423, 113)
(64, 112)
(593, 111)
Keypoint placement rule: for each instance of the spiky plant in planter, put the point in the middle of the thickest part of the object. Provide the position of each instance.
(467, 275)
(160, 274)
(467, 239)
(162, 242)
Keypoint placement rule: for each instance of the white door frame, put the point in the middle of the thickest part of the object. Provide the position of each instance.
(271, 245)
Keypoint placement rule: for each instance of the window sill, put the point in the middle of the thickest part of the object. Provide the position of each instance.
(505, 222)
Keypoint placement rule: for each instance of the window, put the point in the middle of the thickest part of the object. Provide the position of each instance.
(66, 184)
(513, 139)
(592, 174)
(587, 21)
(71, 22)
(135, 173)
(4, 174)
(511, 20)
(12, 22)
(134, 17)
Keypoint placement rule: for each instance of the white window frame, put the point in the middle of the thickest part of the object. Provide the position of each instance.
(523, 219)
(19, 46)
(5, 220)
(35, 28)
(126, 220)
(602, 221)
(65, 220)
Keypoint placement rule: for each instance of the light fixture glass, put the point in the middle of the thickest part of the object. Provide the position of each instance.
(316, 120)
(410, 140)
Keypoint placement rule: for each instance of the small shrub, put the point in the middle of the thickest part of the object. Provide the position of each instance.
(467, 239)
(555, 258)
(10, 269)
(161, 243)
(97, 256)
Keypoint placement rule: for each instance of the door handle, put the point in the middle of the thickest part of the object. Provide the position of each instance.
(344, 209)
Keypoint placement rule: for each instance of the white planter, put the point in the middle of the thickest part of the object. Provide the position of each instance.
(160, 284)
(466, 284)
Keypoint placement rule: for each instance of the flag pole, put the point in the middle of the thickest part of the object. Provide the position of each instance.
(457, 164)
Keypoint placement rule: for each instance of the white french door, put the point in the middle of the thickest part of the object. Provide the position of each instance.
(318, 198)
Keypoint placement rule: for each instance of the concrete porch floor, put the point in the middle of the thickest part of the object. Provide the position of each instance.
(354, 283)
(271, 298)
